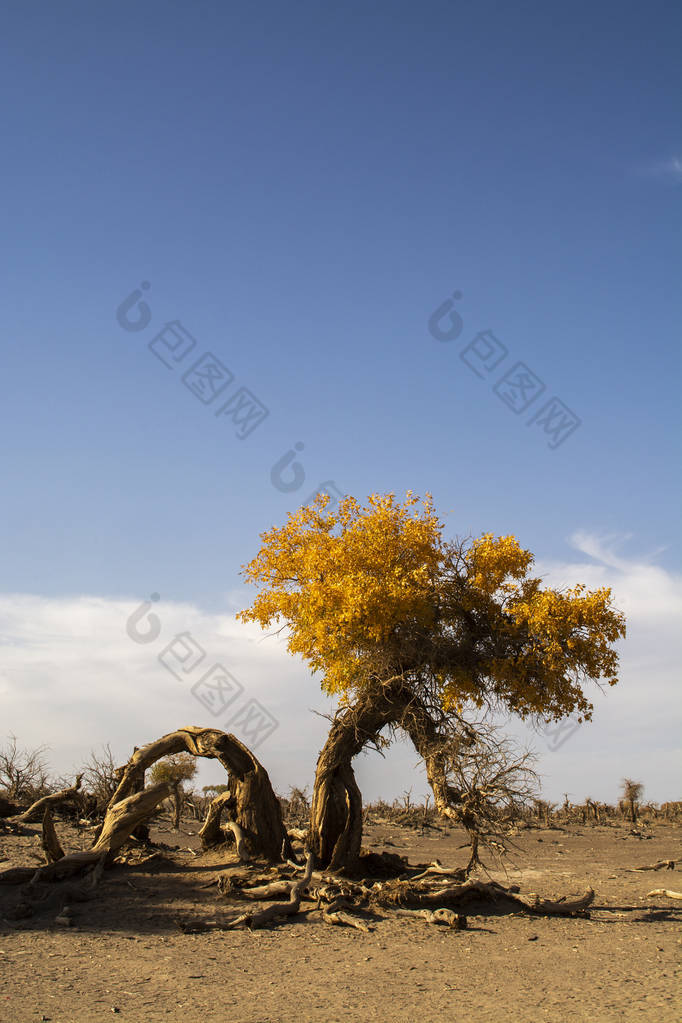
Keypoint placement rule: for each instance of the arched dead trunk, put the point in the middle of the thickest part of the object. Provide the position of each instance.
(256, 807)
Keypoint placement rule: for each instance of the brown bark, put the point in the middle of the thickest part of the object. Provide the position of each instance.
(51, 846)
(336, 809)
(178, 796)
(211, 833)
(256, 808)
(121, 820)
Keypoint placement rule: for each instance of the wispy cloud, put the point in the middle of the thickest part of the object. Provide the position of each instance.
(665, 170)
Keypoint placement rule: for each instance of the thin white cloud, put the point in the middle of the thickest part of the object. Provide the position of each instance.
(665, 170)
(72, 678)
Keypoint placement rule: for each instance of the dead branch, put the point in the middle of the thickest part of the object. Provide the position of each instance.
(121, 820)
(51, 847)
(262, 893)
(660, 865)
(557, 907)
(339, 918)
(436, 868)
(211, 833)
(37, 809)
(406, 894)
(455, 921)
(240, 841)
(663, 893)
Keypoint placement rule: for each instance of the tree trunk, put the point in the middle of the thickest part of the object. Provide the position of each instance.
(257, 809)
(178, 796)
(336, 811)
(211, 833)
(335, 834)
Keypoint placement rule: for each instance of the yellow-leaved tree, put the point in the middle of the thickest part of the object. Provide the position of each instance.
(409, 629)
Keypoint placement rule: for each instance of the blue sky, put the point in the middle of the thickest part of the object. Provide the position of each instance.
(303, 186)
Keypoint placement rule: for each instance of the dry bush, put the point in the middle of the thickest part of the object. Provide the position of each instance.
(490, 783)
(632, 793)
(23, 772)
(296, 806)
(101, 778)
(174, 770)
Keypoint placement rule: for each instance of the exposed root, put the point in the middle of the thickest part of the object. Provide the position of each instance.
(663, 893)
(279, 909)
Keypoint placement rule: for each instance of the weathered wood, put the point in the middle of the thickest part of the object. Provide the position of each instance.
(663, 893)
(37, 809)
(240, 840)
(660, 865)
(555, 907)
(51, 847)
(257, 810)
(403, 894)
(436, 870)
(211, 833)
(340, 918)
(455, 921)
(279, 909)
(120, 821)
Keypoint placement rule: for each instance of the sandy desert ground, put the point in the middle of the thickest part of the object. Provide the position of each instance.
(125, 955)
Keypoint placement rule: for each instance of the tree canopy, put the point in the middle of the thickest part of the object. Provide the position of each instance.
(373, 592)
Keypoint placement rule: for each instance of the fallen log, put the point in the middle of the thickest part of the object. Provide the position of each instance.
(405, 894)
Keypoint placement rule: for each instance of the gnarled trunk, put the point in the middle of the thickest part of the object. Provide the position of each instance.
(336, 812)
